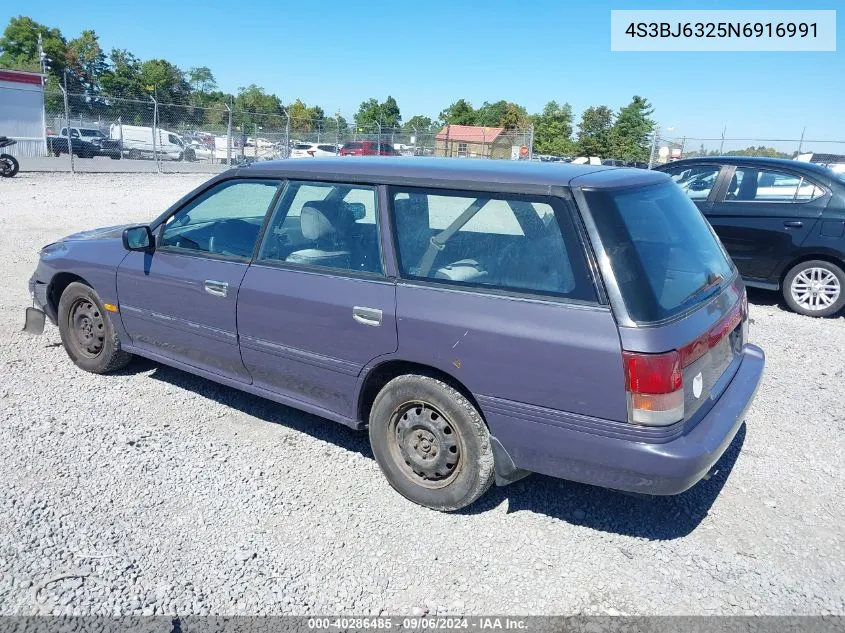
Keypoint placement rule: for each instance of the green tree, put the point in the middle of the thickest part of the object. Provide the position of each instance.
(419, 123)
(87, 61)
(760, 150)
(630, 135)
(553, 130)
(594, 137)
(123, 77)
(201, 79)
(372, 113)
(253, 106)
(19, 47)
(165, 81)
(501, 114)
(390, 114)
(459, 113)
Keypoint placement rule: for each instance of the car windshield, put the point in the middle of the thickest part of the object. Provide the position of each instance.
(664, 255)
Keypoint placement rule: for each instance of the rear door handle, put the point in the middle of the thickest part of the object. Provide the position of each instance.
(793, 224)
(367, 316)
(216, 288)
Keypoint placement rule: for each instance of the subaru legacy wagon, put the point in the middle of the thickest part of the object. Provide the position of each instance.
(482, 319)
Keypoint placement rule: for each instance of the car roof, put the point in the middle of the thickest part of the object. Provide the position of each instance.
(761, 161)
(486, 175)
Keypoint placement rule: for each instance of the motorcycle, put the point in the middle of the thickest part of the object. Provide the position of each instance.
(8, 164)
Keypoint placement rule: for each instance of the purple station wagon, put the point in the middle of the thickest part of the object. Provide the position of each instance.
(483, 319)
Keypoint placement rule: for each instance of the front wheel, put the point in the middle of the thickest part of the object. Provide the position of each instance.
(431, 443)
(815, 288)
(8, 165)
(87, 332)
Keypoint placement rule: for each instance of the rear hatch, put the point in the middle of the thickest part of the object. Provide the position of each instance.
(679, 301)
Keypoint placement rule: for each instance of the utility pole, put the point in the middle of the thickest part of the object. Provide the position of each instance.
(801, 142)
(653, 147)
(722, 144)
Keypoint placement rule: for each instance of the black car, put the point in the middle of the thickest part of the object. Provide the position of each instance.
(782, 221)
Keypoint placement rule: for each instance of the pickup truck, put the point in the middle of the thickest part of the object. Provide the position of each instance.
(90, 141)
(57, 145)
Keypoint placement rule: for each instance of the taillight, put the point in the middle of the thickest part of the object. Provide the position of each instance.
(655, 388)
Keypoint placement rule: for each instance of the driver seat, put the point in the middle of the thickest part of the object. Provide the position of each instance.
(328, 224)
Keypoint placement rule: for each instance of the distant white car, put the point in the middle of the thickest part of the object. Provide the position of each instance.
(196, 150)
(313, 150)
(586, 160)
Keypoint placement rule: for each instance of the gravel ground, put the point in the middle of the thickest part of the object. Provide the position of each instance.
(152, 491)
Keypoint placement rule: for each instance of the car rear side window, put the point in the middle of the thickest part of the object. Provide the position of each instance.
(765, 185)
(664, 255)
(506, 242)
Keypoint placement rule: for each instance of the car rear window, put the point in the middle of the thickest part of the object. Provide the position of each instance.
(353, 146)
(664, 255)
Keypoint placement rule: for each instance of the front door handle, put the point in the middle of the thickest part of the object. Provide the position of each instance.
(216, 288)
(367, 316)
(793, 224)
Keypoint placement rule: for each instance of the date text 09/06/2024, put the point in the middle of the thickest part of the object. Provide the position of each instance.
(722, 29)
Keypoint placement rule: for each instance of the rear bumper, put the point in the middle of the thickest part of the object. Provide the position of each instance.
(652, 468)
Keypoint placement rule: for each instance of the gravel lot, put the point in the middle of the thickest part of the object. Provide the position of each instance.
(152, 491)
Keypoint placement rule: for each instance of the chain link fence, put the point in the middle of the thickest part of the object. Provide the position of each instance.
(100, 133)
(666, 148)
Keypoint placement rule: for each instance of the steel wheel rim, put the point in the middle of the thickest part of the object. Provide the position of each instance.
(87, 327)
(815, 288)
(425, 445)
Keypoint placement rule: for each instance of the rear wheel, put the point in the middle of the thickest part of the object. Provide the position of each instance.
(815, 288)
(134, 154)
(431, 443)
(87, 332)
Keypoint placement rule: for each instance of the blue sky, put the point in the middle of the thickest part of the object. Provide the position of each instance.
(428, 54)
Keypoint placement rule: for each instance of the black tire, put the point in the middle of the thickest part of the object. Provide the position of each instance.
(87, 332)
(829, 297)
(443, 425)
(134, 154)
(9, 165)
(57, 153)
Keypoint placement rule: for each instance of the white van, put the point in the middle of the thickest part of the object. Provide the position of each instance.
(138, 142)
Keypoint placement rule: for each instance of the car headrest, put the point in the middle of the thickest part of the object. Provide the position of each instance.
(321, 218)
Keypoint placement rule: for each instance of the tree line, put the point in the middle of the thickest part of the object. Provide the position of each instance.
(118, 80)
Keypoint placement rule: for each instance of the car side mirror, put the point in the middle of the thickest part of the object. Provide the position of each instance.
(359, 211)
(138, 238)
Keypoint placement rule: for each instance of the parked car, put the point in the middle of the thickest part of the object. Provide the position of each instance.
(368, 148)
(494, 319)
(57, 145)
(782, 222)
(586, 160)
(313, 150)
(196, 149)
(613, 162)
(103, 145)
(140, 142)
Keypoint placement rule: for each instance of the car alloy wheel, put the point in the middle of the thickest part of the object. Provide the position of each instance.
(815, 289)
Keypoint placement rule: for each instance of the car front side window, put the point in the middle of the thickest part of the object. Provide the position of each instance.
(225, 220)
(696, 181)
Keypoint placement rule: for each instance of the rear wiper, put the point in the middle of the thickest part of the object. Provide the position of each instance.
(699, 294)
